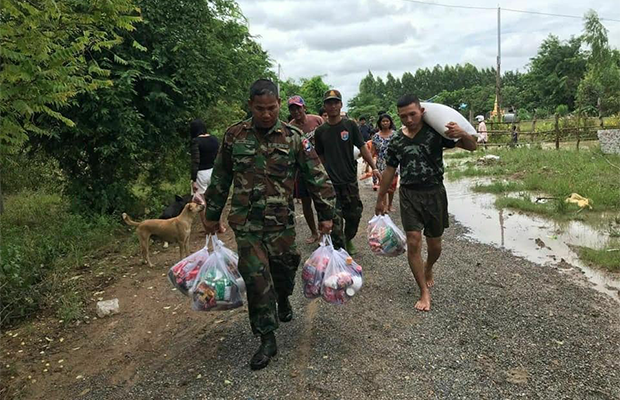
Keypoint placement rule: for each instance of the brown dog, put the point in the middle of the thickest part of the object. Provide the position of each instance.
(177, 229)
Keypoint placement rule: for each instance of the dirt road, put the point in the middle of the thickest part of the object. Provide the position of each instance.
(500, 327)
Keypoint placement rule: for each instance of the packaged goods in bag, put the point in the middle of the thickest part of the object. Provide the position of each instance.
(385, 238)
(342, 278)
(219, 285)
(183, 274)
(437, 116)
(314, 268)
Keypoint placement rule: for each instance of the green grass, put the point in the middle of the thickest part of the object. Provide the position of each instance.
(43, 246)
(555, 173)
(456, 154)
(607, 258)
(499, 187)
(555, 209)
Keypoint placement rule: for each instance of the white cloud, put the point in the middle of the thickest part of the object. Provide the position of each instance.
(343, 40)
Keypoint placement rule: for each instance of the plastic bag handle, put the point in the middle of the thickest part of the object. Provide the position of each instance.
(207, 241)
(375, 218)
(217, 243)
(326, 240)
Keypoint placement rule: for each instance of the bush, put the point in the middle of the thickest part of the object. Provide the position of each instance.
(41, 240)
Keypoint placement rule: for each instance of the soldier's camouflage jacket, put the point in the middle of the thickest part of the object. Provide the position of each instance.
(262, 168)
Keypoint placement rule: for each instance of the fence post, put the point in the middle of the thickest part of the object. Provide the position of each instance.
(534, 134)
(557, 131)
(578, 129)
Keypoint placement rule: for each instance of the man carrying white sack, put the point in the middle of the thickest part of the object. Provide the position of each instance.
(418, 150)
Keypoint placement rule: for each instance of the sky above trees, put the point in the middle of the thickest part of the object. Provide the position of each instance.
(344, 40)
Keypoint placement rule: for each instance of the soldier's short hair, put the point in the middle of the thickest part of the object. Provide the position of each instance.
(263, 87)
(407, 99)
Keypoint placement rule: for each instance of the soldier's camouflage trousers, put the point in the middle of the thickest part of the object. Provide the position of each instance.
(268, 262)
(348, 210)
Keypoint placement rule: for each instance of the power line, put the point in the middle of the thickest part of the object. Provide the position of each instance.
(451, 6)
(505, 9)
(555, 15)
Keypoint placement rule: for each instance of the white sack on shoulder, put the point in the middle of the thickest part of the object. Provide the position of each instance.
(438, 116)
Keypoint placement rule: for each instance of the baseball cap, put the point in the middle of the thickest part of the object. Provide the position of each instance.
(296, 100)
(332, 94)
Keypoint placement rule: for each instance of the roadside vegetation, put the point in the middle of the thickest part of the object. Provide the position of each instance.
(538, 181)
(607, 258)
(549, 173)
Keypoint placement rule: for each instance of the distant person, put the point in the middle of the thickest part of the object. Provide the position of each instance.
(514, 135)
(204, 149)
(307, 123)
(334, 144)
(323, 114)
(483, 136)
(380, 143)
(418, 150)
(365, 129)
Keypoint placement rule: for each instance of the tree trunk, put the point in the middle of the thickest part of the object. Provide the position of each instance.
(1, 197)
(557, 131)
(600, 113)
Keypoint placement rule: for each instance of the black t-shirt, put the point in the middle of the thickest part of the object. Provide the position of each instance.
(204, 151)
(335, 144)
(366, 131)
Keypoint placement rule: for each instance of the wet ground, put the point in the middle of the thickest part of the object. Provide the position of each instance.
(538, 239)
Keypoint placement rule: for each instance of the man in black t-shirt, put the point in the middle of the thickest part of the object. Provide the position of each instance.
(365, 129)
(334, 145)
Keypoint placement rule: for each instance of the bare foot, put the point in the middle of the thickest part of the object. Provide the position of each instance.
(312, 239)
(424, 304)
(430, 282)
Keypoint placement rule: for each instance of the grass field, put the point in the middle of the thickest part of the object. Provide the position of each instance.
(534, 172)
(550, 172)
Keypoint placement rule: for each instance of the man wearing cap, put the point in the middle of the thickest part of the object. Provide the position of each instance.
(334, 144)
(307, 123)
(260, 158)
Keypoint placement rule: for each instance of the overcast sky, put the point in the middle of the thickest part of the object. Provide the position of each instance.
(343, 40)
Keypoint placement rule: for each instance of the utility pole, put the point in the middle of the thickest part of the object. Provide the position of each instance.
(278, 79)
(498, 92)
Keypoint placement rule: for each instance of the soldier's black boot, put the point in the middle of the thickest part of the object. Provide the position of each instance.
(285, 311)
(267, 349)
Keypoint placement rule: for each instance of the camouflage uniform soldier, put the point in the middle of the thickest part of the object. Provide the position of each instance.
(260, 157)
(418, 150)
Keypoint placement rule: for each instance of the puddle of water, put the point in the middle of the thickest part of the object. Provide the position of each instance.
(535, 238)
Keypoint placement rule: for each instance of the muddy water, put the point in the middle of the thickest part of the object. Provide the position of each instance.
(535, 238)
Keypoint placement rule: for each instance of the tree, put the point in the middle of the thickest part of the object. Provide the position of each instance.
(601, 85)
(44, 48)
(312, 90)
(554, 74)
(194, 59)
